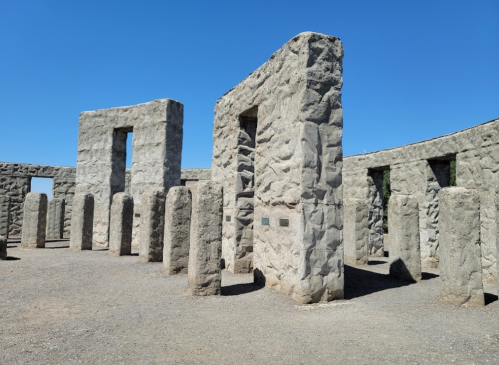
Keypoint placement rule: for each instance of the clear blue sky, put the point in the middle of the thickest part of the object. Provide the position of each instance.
(413, 70)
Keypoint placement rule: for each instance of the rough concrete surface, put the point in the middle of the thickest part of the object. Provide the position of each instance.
(55, 222)
(34, 221)
(152, 225)
(82, 222)
(120, 227)
(92, 308)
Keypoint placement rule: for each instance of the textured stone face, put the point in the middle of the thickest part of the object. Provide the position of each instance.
(205, 272)
(55, 224)
(177, 230)
(34, 221)
(278, 153)
(4, 215)
(375, 217)
(157, 147)
(120, 235)
(152, 225)
(3, 248)
(356, 232)
(460, 259)
(82, 222)
(403, 225)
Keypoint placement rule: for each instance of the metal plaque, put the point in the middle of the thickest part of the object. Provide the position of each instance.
(265, 222)
(228, 218)
(284, 222)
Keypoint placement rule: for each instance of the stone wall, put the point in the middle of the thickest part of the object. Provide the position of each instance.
(277, 150)
(421, 170)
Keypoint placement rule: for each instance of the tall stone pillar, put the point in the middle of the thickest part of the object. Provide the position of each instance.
(403, 225)
(120, 235)
(356, 232)
(152, 223)
(4, 215)
(55, 224)
(82, 220)
(177, 230)
(460, 253)
(205, 272)
(34, 221)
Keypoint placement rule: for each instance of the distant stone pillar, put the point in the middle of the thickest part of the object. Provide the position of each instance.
(177, 230)
(403, 228)
(3, 248)
(205, 272)
(120, 235)
(356, 232)
(82, 221)
(55, 224)
(4, 215)
(152, 223)
(34, 221)
(460, 253)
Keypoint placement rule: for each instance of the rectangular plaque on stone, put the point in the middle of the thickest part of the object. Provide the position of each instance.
(137, 215)
(284, 222)
(265, 222)
(228, 218)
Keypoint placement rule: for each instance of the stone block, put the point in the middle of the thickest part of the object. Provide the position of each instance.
(120, 235)
(82, 221)
(3, 248)
(4, 215)
(55, 224)
(34, 221)
(460, 253)
(177, 230)
(205, 272)
(355, 232)
(152, 222)
(403, 226)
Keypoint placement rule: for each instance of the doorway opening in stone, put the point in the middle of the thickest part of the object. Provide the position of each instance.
(245, 190)
(379, 195)
(41, 185)
(121, 159)
(440, 173)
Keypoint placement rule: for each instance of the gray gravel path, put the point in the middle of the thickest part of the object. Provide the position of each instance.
(62, 307)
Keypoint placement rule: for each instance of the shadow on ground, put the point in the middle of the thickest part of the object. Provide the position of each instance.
(12, 258)
(238, 289)
(490, 298)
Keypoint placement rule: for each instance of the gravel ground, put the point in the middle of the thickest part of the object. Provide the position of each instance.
(63, 307)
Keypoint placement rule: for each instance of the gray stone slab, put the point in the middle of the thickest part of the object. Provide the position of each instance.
(460, 253)
(356, 232)
(82, 221)
(4, 215)
(34, 221)
(152, 223)
(120, 234)
(403, 226)
(177, 230)
(205, 272)
(3, 248)
(55, 224)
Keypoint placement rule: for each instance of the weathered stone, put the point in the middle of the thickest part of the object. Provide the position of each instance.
(55, 224)
(277, 151)
(34, 221)
(356, 232)
(120, 235)
(403, 225)
(460, 254)
(4, 215)
(3, 248)
(375, 216)
(82, 222)
(152, 225)
(205, 272)
(157, 147)
(177, 230)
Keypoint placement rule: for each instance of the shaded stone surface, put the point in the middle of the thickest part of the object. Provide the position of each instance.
(152, 223)
(120, 233)
(177, 230)
(55, 224)
(460, 254)
(82, 222)
(34, 221)
(356, 232)
(3, 248)
(4, 215)
(205, 272)
(403, 225)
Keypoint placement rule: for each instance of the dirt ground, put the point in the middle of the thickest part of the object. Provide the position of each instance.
(63, 307)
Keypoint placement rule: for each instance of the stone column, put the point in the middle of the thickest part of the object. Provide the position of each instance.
(82, 221)
(205, 273)
(460, 253)
(34, 221)
(4, 215)
(177, 230)
(120, 235)
(152, 223)
(356, 232)
(55, 224)
(403, 226)
(3, 248)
